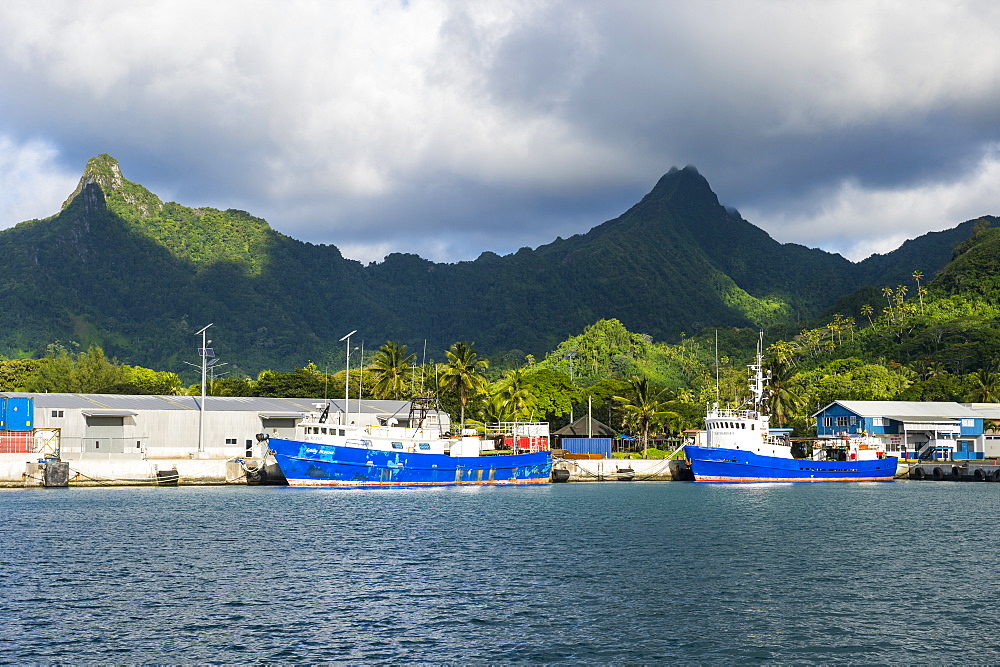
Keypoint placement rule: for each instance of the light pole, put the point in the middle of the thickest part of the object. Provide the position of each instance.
(205, 353)
(212, 367)
(347, 374)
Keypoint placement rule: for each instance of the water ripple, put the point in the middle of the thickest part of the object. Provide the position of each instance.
(566, 574)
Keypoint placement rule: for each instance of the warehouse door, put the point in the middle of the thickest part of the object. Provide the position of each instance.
(104, 435)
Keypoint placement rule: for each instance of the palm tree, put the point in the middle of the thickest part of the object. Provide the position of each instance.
(785, 398)
(463, 373)
(867, 310)
(391, 369)
(496, 409)
(513, 391)
(644, 408)
(985, 386)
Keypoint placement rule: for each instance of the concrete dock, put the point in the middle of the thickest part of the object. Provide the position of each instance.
(619, 470)
(19, 470)
(987, 470)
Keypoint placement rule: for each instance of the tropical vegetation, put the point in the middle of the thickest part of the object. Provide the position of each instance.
(665, 305)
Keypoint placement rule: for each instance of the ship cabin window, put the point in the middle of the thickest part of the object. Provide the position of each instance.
(341, 432)
(323, 430)
(424, 447)
(752, 426)
(397, 445)
(230, 441)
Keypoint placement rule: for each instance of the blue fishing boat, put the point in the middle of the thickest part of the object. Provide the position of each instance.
(323, 454)
(740, 447)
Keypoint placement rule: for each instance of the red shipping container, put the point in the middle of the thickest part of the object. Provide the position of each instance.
(17, 442)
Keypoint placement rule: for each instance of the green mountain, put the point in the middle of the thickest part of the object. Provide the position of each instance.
(120, 268)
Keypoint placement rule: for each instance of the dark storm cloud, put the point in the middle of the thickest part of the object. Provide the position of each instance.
(449, 128)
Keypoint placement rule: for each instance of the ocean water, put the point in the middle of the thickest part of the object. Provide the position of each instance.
(904, 572)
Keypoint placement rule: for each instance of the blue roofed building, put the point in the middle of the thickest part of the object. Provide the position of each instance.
(916, 430)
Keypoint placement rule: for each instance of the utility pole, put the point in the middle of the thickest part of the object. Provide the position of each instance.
(347, 375)
(205, 352)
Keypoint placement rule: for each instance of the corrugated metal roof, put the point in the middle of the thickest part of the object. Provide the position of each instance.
(212, 403)
(105, 401)
(987, 410)
(909, 410)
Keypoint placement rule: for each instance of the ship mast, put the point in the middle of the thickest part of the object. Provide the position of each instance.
(756, 376)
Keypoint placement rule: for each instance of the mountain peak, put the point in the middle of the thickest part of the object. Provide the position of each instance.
(688, 178)
(104, 171)
(121, 194)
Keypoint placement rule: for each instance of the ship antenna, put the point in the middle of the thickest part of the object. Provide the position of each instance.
(757, 375)
(716, 366)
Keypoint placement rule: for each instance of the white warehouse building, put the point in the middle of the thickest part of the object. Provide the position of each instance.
(148, 432)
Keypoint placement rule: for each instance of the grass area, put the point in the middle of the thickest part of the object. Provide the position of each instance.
(651, 453)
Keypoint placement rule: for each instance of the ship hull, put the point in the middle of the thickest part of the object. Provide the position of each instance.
(314, 464)
(717, 464)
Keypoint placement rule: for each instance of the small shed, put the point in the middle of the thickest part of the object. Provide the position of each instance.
(586, 427)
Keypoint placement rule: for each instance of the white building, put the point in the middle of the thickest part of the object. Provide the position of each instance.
(124, 428)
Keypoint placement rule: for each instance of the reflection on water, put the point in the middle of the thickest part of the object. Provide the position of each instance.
(612, 572)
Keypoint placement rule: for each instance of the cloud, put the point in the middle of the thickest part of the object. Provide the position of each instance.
(32, 180)
(858, 221)
(451, 127)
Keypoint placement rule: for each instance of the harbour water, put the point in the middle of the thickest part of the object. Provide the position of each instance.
(902, 572)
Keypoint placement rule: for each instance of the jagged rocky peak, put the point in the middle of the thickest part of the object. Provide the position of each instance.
(104, 172)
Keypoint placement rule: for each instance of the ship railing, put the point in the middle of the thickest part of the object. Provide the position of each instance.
(519, 436)
(523, 429)
(414, 433)
(730, 413)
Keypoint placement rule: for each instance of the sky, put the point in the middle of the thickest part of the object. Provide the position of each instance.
(446, 128)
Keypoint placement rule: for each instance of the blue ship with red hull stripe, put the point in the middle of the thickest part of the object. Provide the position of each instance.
(715, 464)
(740, 447)
(319, 464)
(387, 453)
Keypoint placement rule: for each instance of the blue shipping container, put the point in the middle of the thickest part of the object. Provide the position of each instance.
(18, 413)
(600, 446)
(3, 413)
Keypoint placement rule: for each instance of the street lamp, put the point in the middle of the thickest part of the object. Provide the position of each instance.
(205, 352)
(347, 375)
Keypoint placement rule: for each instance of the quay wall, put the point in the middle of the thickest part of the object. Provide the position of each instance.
(955, 471)
(610, 470)
(16, 471)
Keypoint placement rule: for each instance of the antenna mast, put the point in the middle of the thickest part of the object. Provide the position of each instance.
(716, 366)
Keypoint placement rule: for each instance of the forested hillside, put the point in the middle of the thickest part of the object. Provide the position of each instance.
(119, 268)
